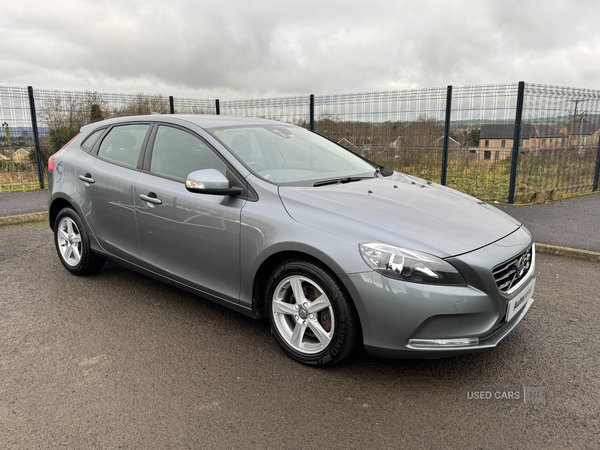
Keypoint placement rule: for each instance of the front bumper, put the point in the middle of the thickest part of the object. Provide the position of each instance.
(393, 312)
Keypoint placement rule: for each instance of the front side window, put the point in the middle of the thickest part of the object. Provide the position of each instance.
(503, 143)
(177, 153)
(287, 154)
(123, 143)
(487, 155)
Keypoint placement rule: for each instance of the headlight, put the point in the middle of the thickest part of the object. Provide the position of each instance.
(409, 265)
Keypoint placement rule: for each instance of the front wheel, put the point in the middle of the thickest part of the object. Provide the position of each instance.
(311, 316)
(73, 244)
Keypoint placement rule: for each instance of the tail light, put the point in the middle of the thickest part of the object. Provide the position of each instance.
(51, 159)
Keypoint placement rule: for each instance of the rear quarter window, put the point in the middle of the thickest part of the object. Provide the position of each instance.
(91, 140)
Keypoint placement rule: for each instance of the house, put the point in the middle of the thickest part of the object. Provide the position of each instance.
(455, 149)
(582, 134)
(453, 144)
(545, 137)
(496, 140)
(21, 155)
(347, 144)
(396, 143)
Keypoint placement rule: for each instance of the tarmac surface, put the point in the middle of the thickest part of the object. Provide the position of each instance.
(15, 203)
(119, 360)
(572, 223)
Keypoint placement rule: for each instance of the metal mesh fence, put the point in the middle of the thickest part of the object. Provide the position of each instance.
(559, 142)
(194, 106)
(60, 115)
(476, 165)
(294, 110)
(57, 109)
(17, 171)
(402, 130)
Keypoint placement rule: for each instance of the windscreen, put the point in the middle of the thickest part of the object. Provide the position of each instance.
(289, 154)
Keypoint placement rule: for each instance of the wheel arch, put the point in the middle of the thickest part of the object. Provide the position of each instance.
(56, 206)
(267, 267)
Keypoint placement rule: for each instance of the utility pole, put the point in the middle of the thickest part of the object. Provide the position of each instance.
(5, 125)
(580, 130)
(573, 121)
(7, 129)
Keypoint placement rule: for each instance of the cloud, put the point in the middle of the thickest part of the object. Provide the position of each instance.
(241, 49)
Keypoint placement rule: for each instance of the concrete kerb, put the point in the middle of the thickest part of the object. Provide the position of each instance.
(555, 250)
(575, 253)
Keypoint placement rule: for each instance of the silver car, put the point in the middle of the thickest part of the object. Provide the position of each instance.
(272, 220)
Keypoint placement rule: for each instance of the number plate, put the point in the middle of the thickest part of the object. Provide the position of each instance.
(517, 303)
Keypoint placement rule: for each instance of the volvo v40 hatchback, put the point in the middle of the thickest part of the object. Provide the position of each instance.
(272, 220)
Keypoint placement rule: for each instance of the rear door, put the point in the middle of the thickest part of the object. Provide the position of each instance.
(189, 237)
(108, 182)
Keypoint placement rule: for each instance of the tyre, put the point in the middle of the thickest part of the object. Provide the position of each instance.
(73, 244)
(311, 316)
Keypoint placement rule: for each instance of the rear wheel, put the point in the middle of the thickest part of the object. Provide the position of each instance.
(73, 244)
(311, 316)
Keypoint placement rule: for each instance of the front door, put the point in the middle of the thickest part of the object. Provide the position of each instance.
(189, 237)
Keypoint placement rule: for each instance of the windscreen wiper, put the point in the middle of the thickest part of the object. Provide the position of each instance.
(342, 180)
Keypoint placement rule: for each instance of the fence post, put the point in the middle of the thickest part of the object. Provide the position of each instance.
(446, 135)
(217, 107)
(171, 104)
(597, 172)
(312, 113)
(516, 143)
(36, 137)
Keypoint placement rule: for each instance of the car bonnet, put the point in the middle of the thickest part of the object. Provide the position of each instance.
(400, 210)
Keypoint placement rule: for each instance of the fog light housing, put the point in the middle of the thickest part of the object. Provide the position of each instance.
(442, 343)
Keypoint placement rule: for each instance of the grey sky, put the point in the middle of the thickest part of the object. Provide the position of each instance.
(264, 48)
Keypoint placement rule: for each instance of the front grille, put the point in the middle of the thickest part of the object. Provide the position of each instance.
(509, 273)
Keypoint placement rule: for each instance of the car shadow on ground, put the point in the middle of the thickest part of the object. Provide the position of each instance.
(248, 333)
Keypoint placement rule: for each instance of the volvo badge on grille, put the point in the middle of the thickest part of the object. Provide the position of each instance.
(521, 266)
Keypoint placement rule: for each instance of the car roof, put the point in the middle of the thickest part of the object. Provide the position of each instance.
(202, 120)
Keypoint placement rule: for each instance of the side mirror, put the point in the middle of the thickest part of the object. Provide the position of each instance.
(210, 181)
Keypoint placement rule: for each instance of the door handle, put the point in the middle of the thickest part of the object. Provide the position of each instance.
(87, 178)
(151, 198)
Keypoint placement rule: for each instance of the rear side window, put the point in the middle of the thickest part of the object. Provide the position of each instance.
(91, 140)
(122, 144)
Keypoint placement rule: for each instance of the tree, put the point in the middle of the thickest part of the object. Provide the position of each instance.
(59, 136)
(96, 113)
(473, 137)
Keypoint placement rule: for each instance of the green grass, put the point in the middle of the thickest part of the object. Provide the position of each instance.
(20, 181)
(539, 178)
(20, 187)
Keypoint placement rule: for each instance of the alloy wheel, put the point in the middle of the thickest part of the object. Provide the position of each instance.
(303, 314)
(69, 241)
